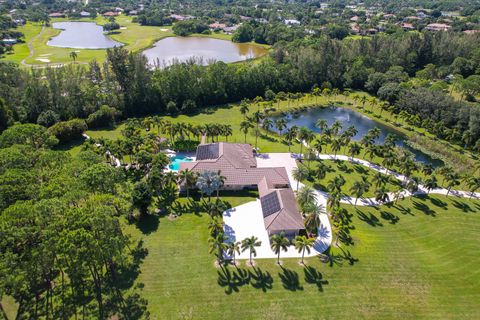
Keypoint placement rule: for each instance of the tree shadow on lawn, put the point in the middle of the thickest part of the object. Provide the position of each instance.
(390, 217)
(232, 280)
(403, 210)
(333, 259)
(290, 280)
(260, 280)
(370, 219)
(439, 203)
(424, 208)
(465, 207)
(312, 276)
(148, 223)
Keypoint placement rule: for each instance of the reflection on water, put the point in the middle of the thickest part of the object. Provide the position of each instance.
(81, 35)
(182, 49)
(362, 123)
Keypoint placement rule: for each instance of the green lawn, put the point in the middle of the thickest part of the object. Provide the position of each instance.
(416, 260)
(351, 173)
(21, 51)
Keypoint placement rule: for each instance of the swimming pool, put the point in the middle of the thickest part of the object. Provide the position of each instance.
(175, 162)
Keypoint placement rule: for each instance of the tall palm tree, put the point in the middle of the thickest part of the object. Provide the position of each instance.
(267, 124)
(306, 195)
(312, 212)
(221, 180)
(250, 244)
(473, 184)
(379, 180)
(290, 135)
(280, 125)
(452, 180)
(321, 171)
(359, 188)
(354, 149)
(300, 173)
(381, 195)
(227, 131)
(233, 249)
(244, 127)
(218, 245)
(336, 127)
(215, 226)
(322, 125)
(431, 183)
(74, 56)
(279, 242)
(302, 244)
(336, 146)
(244, 108)
(336, 184)
(303, 135)
(257, 118)
(208, 182)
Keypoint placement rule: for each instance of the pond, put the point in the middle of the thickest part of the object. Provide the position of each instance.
(347, 118)
(81, 35)
(181, 49)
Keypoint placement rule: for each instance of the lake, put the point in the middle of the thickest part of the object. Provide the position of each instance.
(81, 35)
(181, 49)
(347, 118)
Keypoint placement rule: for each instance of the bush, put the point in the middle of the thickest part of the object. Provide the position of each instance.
(185, 145)
(66, 131)
(103, 117)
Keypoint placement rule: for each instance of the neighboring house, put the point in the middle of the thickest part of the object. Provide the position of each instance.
(9, 41)
(437, 27)
(230, 30)
(407, 26)
(19, 22)
(56, 15)
(84, 14)
(354, 19)
(110, 14)
(471, 31)
(132, 12)
(216, 26)
(237, 163)
(291, 22)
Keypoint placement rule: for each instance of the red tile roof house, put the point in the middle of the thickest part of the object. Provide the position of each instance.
(238, 165)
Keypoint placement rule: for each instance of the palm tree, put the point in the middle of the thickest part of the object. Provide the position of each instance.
(279, 242)
(306, 195)
(354, 149)
(233, 248)
(336, 127)
(300, 173)
(312, 212)
(302, 244)
(257, 118)
(227, 131)
(452, 180)
(473, 184)
(322, 170)
(215, 226)
(379, 180)
(280, 125)
(188, 178)
(250, 244)
(208, 182)
(267, 124)
(381, 195)
(221, 179)
(244, 126)
(431, 183)
(359, 188)
(304, 135)
(244, 108)
(217, 244)
(336, 146)
(74, 56)
(322, 125)
(412, 185)
(336, 184)
(290, 135)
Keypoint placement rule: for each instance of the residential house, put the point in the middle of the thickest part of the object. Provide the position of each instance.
(437, 27)
(290, 22)
(84, 14)
(9, 41)
(56, 15)
(237, 163)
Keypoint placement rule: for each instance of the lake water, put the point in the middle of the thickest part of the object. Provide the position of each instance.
(181, 49)
(81, 35)
(347, 118)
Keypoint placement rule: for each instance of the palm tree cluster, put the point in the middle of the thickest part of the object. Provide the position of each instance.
(307, 201)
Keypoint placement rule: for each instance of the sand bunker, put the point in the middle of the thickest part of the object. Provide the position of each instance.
(163, 30)
(43, 60)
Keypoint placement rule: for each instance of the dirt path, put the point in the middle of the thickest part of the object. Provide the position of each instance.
(30, 47)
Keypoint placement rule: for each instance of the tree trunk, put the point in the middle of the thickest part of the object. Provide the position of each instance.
(278, 257)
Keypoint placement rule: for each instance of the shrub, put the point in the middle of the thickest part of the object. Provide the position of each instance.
(185, 145)
(66, 131)
(103, 117)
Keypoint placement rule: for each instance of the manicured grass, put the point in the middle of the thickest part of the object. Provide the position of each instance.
(350, 172)
(21, 51)
(418, 259)
(134, 36)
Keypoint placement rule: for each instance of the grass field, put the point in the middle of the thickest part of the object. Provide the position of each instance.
(416, 260)
(351, 173)
(135, 37)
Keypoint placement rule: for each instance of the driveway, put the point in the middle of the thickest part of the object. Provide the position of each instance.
(247, 220)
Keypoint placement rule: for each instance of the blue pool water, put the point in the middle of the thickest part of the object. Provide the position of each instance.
(175, 162)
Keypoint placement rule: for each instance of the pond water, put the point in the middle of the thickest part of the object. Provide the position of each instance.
(81, 35)
(181, 49)
(347, 118)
